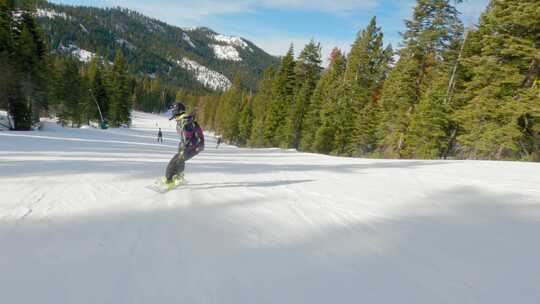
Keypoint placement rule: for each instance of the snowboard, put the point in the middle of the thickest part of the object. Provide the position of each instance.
(159, 185)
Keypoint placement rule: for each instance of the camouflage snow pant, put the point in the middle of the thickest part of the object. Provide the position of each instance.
(177, 164)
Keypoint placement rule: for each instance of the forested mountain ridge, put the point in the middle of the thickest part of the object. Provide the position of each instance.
(191, 58)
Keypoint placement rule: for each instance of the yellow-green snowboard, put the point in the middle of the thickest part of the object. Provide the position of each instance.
(161, 185)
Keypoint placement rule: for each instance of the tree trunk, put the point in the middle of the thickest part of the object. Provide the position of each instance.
(531, 74)
(450, 143)
(452, 82)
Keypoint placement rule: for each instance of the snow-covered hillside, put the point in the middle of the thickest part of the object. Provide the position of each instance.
(77, 224)
(81, 54)
(209, 78)
(231, 40)
(50, 14)
(226, 52)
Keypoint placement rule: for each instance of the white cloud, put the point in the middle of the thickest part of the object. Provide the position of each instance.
(184, 11)
(171, 10)
(278, 44)
(319, 5)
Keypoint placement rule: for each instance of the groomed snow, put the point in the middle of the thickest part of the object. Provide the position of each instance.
(207, 77)
(226, 52)
(77, 224)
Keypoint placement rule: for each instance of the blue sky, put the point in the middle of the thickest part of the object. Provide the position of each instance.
(275, 24)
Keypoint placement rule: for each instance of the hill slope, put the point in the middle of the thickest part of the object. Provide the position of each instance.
(258, 226)
(190, 58)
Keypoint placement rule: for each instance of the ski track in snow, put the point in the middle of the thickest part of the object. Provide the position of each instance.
(77, 224)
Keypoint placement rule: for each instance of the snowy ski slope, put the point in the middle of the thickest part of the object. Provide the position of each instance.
(258, 226)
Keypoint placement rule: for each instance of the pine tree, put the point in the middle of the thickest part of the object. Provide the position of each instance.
(245, 122)
(528, 114)
(275, 131)
(330, 77)
(367, 66)
(490, 130)
(221, 109)
(37, 91)
(209, 105)
(6, 23)
(307, 73)
(99, 99)
(121, 101)
(365, 130)
(261, 101)
(70, 93)
(325, 134)
(367, 63)
(229, 111)
(24, 58)
(8, 72)
(429, 126)
(431, 33)
(6, 9)
(500, 119)
(398, 97)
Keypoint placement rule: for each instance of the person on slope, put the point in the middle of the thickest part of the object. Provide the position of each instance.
(160, 136)
(191, 144)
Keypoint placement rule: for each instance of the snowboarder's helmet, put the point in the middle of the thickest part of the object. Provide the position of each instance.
(178, 109)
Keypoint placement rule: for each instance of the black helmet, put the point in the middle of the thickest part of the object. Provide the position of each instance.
(178, 109)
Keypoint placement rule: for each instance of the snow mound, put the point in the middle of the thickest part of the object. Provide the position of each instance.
(226, 52)
(51, 14)
(17, 15)
(4, 122)
(209, 78)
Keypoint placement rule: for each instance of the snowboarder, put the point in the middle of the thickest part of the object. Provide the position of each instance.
(218, 142)
(191, 144)
(160, 136)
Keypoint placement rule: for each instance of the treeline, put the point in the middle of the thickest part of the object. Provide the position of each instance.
(452, 93)
(35, 82)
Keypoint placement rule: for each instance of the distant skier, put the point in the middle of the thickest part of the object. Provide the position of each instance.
(191, 144)
(160, 136)
(218, 142)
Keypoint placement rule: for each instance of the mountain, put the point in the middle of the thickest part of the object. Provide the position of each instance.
(192, 58)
